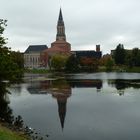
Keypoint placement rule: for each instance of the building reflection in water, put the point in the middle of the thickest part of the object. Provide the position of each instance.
(62, 104)
(61, 90)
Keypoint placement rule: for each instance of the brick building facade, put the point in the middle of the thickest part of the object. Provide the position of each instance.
(60, 46)
(42, 57)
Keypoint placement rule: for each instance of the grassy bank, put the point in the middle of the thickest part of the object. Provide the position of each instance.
(7, 134)
(100, 69)
(120, 69)
(36, 71)
(127, 69)
(134, 69)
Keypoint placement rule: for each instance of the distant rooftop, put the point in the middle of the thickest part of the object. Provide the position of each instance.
(87, 53)
(36, 48)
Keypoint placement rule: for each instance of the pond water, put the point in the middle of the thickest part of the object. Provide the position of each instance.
(99, 106)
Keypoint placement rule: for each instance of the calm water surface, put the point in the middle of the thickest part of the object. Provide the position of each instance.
(100, 106)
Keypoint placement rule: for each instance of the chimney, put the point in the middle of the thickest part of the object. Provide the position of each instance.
(97, 48)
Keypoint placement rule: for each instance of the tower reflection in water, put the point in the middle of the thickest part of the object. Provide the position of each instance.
(61, 90)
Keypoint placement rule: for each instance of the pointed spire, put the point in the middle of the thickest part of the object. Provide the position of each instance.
(62, 111)
(60, 28)
(60, 16)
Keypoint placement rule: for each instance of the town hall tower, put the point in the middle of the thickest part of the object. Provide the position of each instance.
(61, 42)
(60, 28)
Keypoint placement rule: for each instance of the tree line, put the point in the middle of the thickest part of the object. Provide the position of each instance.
(120, 57)
(123, 56)
(72, 63)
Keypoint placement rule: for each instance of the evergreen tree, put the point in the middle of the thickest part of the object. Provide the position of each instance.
(135, 57)
(119, 55)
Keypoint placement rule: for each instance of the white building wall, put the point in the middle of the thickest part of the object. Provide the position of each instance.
(32, 60)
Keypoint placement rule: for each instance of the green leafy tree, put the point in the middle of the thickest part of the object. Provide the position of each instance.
(119, 55)
(9, 68)
(18, 58)
(58, 62)
(2, 28)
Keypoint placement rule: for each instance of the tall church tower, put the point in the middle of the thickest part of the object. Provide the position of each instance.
(60, 28)
(61, 45)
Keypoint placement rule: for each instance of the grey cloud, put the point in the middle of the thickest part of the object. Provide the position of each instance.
(87, 22)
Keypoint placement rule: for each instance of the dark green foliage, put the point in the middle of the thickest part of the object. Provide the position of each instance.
(135, 57)
(18, 58)
(2, 27)
(11, 63)
(119, 55)
(72, 64)
(109, 64)
(5, 111)
(127, 57)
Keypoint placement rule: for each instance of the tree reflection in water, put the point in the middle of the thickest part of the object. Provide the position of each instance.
(121, 85)
(7, 118)
(6, 113)
(5, 110)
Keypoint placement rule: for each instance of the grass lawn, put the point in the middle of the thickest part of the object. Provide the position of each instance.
(6, 134)
(36, 71)
(134, 69)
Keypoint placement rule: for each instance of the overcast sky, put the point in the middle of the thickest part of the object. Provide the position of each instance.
(87, 23)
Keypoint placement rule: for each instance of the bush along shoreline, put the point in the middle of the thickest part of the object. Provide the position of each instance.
(17, 130)
(11, 126)
(13, 130)
(8, 134)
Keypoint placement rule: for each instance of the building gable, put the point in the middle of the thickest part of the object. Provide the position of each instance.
(36, 48)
